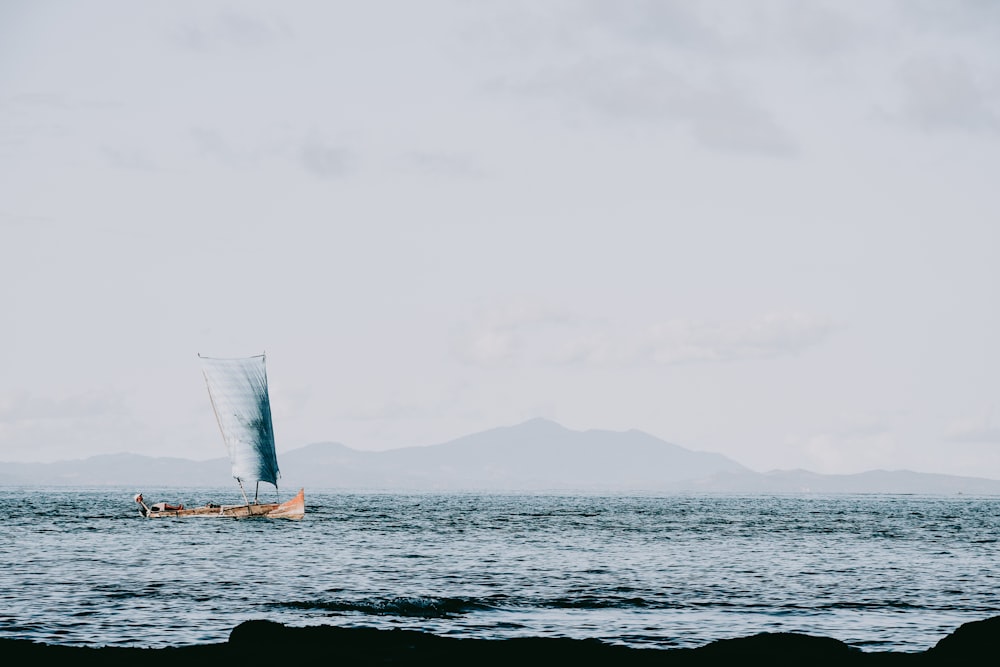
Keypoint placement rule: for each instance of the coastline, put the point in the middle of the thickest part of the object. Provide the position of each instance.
(271, 642)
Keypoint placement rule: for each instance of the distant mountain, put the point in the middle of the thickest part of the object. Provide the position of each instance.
(538, 455)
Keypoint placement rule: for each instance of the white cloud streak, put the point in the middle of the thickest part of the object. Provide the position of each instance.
(973, 431)
(767, 337)
(848, 453)
(544, 337)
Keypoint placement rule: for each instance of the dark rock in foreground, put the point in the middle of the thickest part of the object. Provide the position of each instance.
(972, 643)
(364, 646)
(267, 642)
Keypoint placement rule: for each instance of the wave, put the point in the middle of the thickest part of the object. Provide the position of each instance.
(416, 607)
(450, 607)
(595, 602)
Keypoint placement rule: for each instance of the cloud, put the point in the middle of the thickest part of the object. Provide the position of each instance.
(211, 142)
(489, 347)
(591, 348)
(445, 164)
(31, 104)
(719, 115)
(310, 152)
(716, 71)
(973, 431)
(726, 32)
(40, 428)
(39, 100)
(860, 426)
(547, 337)
(423, 402)
(325, 160)
(732, 76)
(22, 408)
(129, 159)
(768, 337)
(230, 30)
(837, 453)
(852, 442)
(8, 219)
(41, 118)
(676, 22)
(963, 17)
(813, 29)
(945, 94)
(501, 335)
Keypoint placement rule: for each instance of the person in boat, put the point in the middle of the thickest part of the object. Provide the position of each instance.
(158, 507)
(165, 507)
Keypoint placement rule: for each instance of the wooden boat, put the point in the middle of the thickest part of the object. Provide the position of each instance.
(290, 509)
(237, 389)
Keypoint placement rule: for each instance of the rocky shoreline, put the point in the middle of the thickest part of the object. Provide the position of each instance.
(270, 643)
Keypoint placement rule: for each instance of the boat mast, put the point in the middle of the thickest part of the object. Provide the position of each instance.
(242, 490)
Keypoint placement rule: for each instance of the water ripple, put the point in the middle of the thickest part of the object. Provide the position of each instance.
(80, 567)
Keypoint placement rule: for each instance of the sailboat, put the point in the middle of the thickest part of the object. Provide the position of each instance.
(237, 389)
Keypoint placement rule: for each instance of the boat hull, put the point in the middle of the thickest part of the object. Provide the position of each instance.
(290, 509)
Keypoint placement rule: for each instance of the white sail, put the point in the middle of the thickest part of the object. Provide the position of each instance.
(238, 391)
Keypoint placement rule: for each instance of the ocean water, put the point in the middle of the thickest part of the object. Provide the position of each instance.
(82, 567)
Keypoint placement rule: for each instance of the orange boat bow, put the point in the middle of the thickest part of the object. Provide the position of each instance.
(291, 509)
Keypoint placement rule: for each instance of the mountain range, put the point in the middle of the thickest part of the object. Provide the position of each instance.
(536, 456)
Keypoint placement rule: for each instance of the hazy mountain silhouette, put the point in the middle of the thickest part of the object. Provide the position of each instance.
(537, 455)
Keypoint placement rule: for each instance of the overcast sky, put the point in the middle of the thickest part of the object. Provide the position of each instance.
(765, 229)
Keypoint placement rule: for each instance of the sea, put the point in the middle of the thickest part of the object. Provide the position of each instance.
(879, 572)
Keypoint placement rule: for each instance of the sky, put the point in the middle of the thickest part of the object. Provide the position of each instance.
(765, 229)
